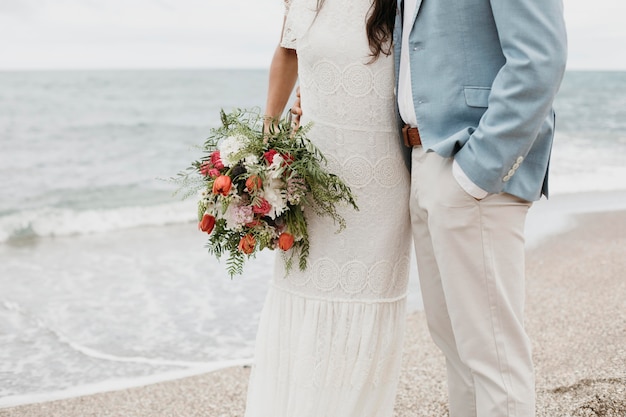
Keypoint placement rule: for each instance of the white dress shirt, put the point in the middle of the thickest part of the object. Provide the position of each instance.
(405, 97)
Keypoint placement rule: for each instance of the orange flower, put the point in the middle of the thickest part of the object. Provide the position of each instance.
(222, 185)
(285, 241)
(247, 244)
(253, 183)
(207, 223)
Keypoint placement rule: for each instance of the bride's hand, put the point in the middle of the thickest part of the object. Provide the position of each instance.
(296, 111)
(269, 125)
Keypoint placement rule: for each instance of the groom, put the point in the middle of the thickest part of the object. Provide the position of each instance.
(476, 82)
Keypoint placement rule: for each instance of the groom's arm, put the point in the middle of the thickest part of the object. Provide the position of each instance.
(533, 41)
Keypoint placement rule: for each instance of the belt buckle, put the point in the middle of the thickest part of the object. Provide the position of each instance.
(405, 136)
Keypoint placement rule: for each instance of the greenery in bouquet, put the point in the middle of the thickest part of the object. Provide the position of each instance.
(254, 183)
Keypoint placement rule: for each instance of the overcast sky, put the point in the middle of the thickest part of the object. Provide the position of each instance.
(61, 34)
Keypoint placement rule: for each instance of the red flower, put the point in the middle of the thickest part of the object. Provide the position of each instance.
(269, 155)
(214, 173)
(207, 223)
(205, 168)
(285, 241)
(247, 244)
(262, 208)
(216, 160)
(222, 185)
(288, 158)
(254, 223)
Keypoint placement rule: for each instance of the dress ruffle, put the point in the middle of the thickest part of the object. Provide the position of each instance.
(327, 359)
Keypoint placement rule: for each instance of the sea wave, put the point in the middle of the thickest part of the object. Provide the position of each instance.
(118, 384)
(54, 222)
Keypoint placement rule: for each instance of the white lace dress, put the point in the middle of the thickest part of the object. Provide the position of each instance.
(330, 338)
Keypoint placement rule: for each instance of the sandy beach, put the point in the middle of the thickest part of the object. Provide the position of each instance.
(576, 318)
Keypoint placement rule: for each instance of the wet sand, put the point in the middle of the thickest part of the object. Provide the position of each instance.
(576, 318)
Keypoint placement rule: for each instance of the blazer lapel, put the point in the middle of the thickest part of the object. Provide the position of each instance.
(417, 9)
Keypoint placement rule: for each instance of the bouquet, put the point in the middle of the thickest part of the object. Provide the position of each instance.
(253, 184)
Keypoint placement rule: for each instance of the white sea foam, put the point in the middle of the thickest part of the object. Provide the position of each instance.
(119, 384)
(54, 222)
(602, 179)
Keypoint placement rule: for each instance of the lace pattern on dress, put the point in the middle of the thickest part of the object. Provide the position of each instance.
(330, 337)
(288, 39)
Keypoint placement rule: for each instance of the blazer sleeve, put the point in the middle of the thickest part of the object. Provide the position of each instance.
(533, 41)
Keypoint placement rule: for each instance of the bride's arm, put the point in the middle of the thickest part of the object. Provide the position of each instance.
(282, 79)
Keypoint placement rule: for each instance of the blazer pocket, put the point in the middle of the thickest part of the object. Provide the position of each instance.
(477, 96)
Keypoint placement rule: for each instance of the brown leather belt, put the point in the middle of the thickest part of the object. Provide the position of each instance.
(411, 136)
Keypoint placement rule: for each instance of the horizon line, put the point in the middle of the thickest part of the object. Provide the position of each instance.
(216, 68)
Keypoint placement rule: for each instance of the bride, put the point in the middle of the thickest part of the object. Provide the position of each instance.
(330, 337)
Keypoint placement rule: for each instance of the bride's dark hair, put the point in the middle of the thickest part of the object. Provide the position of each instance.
(379, 26)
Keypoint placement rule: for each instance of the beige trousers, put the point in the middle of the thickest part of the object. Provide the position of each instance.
(470, 257)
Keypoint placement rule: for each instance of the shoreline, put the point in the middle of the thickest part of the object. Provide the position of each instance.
(557, 215)
(561, 261)
(119, 384)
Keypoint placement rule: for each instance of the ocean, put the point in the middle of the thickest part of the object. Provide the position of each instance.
(104, 279)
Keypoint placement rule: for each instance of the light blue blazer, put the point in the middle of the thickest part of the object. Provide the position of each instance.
(484, 74)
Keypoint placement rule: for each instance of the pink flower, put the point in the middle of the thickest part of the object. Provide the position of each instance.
(205, 167)
(243, 214)
(214, 173)
(296, 188)
(216, 160)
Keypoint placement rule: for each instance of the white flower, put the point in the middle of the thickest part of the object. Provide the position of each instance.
(230, 147)
(276, 167)
(251, 160)
(205, 199)
(276, 195)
